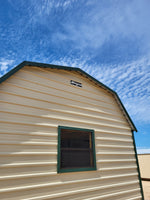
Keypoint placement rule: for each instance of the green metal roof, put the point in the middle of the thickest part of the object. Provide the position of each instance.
(36, 64)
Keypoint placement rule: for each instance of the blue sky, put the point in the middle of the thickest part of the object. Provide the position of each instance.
(108, 39)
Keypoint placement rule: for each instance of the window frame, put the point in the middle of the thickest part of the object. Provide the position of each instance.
(59, 170)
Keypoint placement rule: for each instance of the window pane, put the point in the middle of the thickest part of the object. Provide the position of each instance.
(76, 149)
(75, 159)
(75, 139)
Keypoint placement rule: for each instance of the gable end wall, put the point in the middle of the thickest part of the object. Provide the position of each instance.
(34, 102)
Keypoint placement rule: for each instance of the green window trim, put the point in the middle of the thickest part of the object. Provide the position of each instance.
(59, 170)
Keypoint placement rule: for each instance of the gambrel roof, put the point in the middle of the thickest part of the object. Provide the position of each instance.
(81, 72)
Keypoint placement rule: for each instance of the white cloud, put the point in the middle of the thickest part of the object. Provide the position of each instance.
(4, 64)
(103, 20)
(143, 150)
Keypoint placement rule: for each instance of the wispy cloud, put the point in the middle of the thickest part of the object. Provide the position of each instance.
(106, 31)
(131, 81)
(107, 21)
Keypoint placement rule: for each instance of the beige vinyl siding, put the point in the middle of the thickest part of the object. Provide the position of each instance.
(34, 101)
(144, 163)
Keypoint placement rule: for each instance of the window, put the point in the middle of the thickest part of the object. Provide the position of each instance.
(76, 149)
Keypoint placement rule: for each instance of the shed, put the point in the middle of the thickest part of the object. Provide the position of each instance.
(64, 135)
